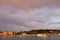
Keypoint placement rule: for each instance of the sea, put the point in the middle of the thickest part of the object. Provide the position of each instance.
(49, 37)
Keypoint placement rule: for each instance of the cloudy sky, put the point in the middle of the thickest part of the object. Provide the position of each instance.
(19, 15)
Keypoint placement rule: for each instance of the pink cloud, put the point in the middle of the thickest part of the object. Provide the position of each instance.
(17, 15)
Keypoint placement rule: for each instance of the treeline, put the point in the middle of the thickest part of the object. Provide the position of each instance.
(40, 31)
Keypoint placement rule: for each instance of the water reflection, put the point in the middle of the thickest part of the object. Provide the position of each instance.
(49, 37)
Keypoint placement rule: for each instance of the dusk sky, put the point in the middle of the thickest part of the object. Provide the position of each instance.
(19, 15)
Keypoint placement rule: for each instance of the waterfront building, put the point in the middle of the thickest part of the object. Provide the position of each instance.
(42, 35)
(24, 34)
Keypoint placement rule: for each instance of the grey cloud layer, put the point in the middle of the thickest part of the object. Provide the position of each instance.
(16, 20)
(14, 16)
(48, 14)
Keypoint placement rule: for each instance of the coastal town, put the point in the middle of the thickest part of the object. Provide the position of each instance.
(41, 33)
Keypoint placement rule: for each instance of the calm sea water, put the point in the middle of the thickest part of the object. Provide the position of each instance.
(49, 37)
